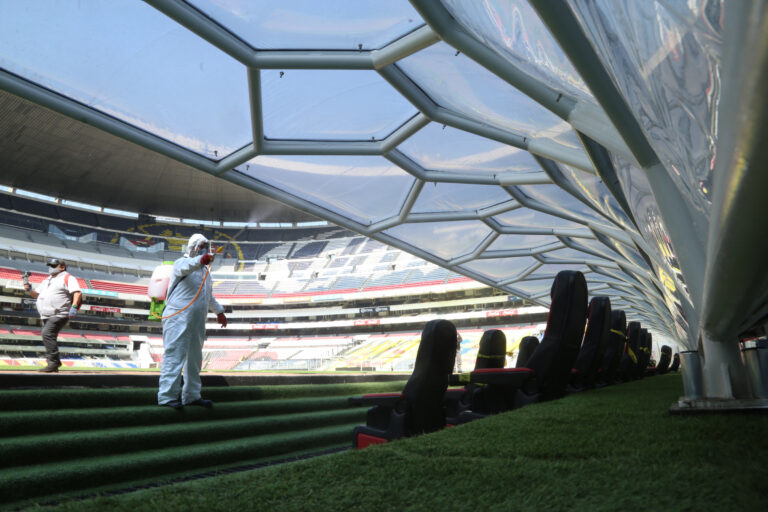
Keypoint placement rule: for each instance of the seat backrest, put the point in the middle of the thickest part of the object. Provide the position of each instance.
(643, 352)
(617, 338)
(554, 357)
(664, 359)
(527, 347)
(595, 339)
(675, 363)
(630, 359)
(492, 350)
(425, 389)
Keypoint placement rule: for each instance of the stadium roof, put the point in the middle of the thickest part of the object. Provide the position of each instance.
(503, 139)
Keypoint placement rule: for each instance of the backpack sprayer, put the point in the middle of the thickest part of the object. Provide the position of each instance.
(161, 278)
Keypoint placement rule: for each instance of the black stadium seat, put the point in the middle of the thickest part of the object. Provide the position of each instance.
(629, 360)
(419, 408)
(664, 360)
(644, 353)
(614, 349)
(549, 367)
(675, 363)
(593, 348)
(480, 399)
(527, 347)
(554, 357)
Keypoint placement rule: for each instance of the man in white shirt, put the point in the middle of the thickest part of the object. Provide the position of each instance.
(58, 299)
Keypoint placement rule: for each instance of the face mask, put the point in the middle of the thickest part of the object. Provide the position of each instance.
(53, 270)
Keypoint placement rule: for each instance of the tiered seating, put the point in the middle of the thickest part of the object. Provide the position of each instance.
(309, 250)
(353, 246)
(119, 287)
(251, 288)
(10, 273)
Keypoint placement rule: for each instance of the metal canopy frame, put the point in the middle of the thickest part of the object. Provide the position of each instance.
(605, 128)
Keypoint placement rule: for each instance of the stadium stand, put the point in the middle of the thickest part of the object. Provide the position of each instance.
(260, 294)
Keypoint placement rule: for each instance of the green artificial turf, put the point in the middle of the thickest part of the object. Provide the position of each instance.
(46, 448)
(45, 480)
(616, 448)
(29, 399)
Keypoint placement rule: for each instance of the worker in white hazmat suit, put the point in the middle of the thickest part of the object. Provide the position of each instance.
(184, 326)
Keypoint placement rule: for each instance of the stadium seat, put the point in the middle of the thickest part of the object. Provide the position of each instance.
(614, 349)
(527, 347)
(549, 367)
(629, 360)
(675, 363)
(477, 400)
(419, 408)
(665, 359)
(644, 353)
(592, 350)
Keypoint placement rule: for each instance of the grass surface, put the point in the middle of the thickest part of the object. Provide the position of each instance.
(28, 399)
(615, 448)
(56, 443)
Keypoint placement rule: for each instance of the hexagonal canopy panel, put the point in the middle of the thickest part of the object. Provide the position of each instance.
(308, 24)
(457, 197)
(310, 104)
(155, 74)
(443, 148)
(501, 269)
(446, 240)
(457, 83)
(363, 188)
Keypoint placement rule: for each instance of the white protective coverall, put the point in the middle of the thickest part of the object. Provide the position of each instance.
(184, 334)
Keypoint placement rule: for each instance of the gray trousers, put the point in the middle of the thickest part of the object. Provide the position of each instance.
(51, 328)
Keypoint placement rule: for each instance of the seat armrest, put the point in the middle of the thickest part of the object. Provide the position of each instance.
(385, 399)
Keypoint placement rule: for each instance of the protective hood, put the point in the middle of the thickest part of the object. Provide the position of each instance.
(196, 242)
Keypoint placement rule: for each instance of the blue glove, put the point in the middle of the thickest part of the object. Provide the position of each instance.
(72, 312)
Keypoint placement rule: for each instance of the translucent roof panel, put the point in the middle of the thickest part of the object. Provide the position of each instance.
(594, 190)
(551, 270)
(529, 218)
(500, 269)
(457, 83)
(668, 68)
(569, 254)
(128, 60)
(443, 148)
(309, 24)
(533, 288)
(514, 30)
(513, 242)
(595, 246)
(457, 197)
(561, 201)
(339, 105)
(445, 240)
(364, 189)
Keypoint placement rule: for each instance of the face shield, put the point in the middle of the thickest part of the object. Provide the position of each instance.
(198, 245)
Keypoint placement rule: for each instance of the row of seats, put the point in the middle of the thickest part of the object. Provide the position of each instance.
(568, 359)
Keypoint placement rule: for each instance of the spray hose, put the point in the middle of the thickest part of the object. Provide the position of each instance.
(190, 302)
